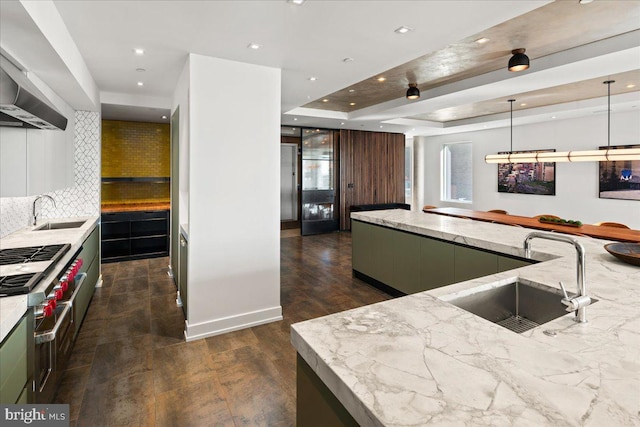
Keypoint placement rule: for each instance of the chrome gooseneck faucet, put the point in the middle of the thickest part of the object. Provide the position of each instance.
(581, 300)
(33, 211)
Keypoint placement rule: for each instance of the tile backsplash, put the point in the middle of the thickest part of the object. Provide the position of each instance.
(82, 199)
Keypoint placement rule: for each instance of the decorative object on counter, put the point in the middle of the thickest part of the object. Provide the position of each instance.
(427, 207)
(500, 211)
(519, 61)
(560, 221)
(546, 215)
(413, 92)
(627, 252)
(611, 224)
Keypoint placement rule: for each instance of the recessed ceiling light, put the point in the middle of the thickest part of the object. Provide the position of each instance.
(482, 40)
(631, 86)
(342, 123)
(585, 1)
(381, 126)
(164, 117)
(523, 104)
(351, 90)
(352, 103)
(348, 59)
(254, 46)
(403, 30)
(293, 128)
(138, 51)
(553, 117)
(313, 79)
(325, 100)
(298, 2)
(295, 118)
(381, 79)
(140, 83)
(140, 70)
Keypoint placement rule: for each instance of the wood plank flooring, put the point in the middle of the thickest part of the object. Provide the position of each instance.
(130, 365)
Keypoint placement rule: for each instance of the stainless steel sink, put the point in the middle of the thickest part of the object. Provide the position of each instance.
(59, 225)
(518, 306)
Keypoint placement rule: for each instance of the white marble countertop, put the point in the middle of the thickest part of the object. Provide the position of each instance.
(418, 360)
(13, 308)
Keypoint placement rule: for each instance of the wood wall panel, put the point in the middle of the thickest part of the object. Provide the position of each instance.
(371, 170)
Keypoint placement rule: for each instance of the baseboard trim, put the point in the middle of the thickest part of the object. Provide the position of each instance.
(223, 325)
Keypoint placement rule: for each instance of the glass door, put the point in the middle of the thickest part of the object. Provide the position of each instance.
(319, 210)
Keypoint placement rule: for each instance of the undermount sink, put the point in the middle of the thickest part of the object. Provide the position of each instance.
(59, 225)
(518, 306)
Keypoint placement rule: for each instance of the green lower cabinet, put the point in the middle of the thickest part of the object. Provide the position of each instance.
(506, 263)
(373, 251)
(406, 263)
(14, 371)
(473, 263)
(437, 263)
(411, 263)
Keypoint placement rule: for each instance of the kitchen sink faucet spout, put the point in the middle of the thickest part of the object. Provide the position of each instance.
(581, 300)
(33, 211)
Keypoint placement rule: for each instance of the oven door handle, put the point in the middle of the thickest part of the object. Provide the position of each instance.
(50, 335)
(80, 280)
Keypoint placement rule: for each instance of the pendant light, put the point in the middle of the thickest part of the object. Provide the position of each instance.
(605, 155)
(519, 61)
(413, 92)
(504, 158)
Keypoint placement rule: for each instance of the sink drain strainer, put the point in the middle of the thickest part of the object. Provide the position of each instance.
(517, 324)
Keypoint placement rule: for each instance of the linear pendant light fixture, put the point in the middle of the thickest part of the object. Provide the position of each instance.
(606, 155)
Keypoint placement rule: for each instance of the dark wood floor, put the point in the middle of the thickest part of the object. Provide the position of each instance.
(131, 367)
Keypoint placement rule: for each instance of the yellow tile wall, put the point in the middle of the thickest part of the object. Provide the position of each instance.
(134, 192)
(134, 149)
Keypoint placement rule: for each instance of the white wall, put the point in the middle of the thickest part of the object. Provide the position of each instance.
(234, 187)
(576, 183)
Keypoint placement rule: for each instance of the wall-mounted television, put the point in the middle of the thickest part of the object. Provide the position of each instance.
(527, 178)
(620, 179)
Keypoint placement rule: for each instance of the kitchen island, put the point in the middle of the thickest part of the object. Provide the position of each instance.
(418, 360)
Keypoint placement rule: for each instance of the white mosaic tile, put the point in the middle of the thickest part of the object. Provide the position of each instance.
(83, 199)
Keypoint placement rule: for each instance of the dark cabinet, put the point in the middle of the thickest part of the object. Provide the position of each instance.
(134, 235)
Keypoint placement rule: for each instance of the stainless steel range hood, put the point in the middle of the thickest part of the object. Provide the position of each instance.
(22, 104)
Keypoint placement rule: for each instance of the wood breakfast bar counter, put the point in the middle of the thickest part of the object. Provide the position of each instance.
(598, 232)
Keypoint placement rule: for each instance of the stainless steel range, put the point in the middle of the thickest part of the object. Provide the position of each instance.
(27, 271)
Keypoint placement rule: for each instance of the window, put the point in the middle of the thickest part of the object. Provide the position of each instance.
(457, 172)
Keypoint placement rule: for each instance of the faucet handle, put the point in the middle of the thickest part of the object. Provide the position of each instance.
(564, 290)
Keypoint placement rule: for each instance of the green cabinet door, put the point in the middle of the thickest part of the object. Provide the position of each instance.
(14, 371)
(183, 280)
(472, 263)
(406, 263)
(372, 251)
(506, 263)
(436, 263)
(362, 252)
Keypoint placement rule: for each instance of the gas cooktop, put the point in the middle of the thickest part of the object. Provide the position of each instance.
(16, 277)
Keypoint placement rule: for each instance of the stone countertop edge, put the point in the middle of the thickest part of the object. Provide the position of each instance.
(418, 360)
(13, 308)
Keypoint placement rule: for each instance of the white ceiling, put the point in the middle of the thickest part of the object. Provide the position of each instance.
(304, 41)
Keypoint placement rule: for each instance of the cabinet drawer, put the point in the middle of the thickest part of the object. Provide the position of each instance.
(148, 245)
(115, 216)
(138, 216)
(150, 227)
(115, 230)
(115, 248)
